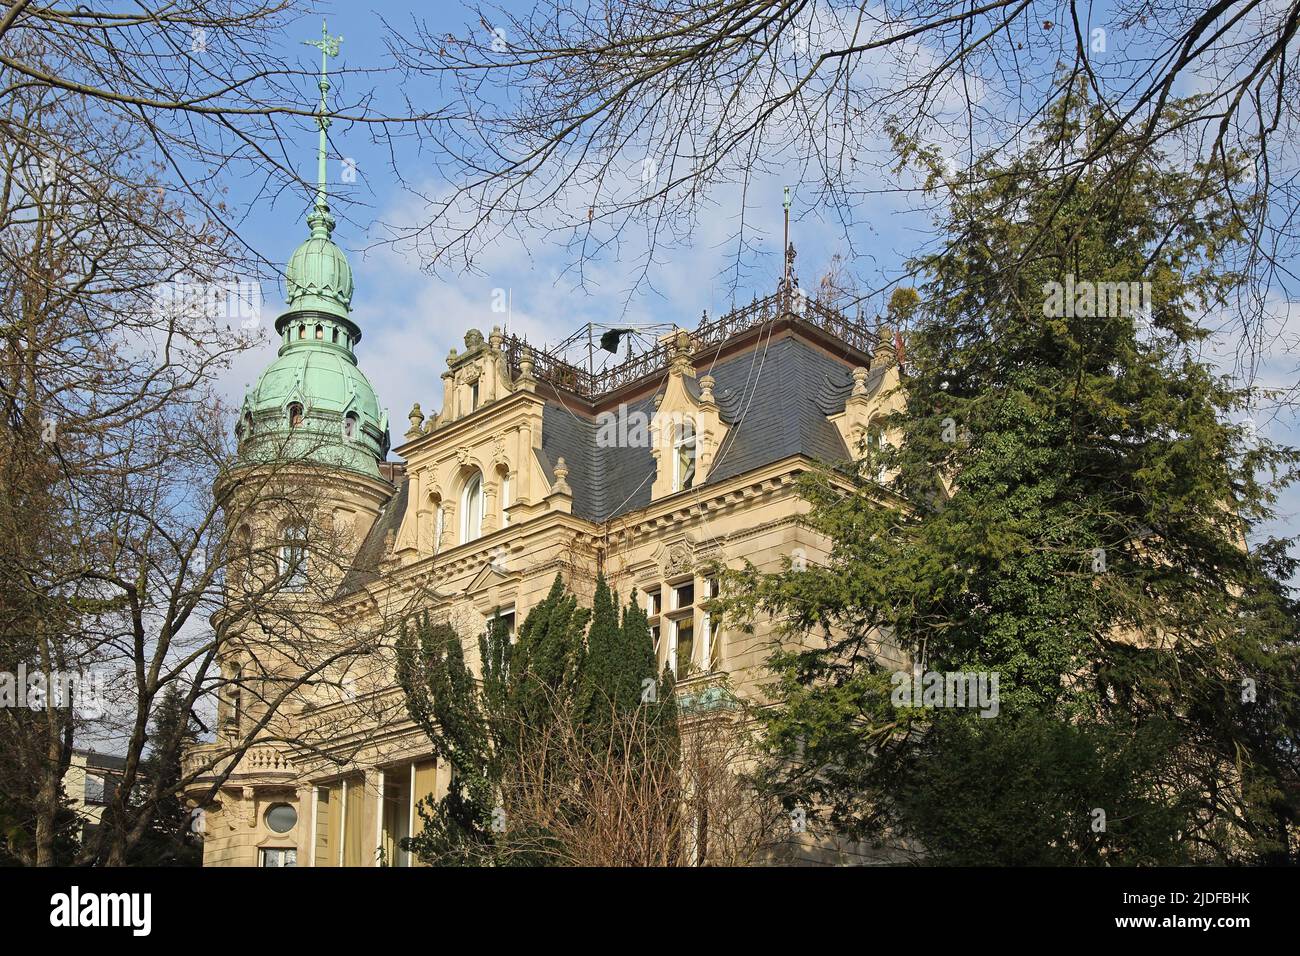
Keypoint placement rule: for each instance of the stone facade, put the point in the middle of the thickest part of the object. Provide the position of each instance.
(528, 470)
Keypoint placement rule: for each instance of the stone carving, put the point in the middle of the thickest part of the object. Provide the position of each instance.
(416, 418)
(678, 559)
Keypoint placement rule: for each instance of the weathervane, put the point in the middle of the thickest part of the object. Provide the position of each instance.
(320, 217)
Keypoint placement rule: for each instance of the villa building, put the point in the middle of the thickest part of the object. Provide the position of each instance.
(531, 466)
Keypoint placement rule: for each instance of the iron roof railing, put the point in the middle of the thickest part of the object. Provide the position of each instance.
(559, 373)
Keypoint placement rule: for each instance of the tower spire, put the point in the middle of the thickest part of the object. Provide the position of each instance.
(320, 220)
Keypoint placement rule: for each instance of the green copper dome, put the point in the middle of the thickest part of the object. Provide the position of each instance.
(318, 276)
(312, 404)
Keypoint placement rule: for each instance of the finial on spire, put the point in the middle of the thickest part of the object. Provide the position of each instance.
(787, 248)
(320, 220)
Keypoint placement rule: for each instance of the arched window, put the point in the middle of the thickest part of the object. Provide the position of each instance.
(302, 331)
(875, 438)
(471, 509)
(505, 497)
(350, 426)
(875, 444)
(320, 333)
(438, 515)
(293, 555)
(334, 336)
(684, 457)
(295, 414)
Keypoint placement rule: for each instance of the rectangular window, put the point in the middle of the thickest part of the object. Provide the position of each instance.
(237, 700)
(293, 558)
(340, 825)
(424, 787)
(711, 646)
(654, 605)
(397, 816)
(329, 810)
(683, 646)
(96, 789)
(357, 849)
(279, 856)
(683, 595)
(507, 616)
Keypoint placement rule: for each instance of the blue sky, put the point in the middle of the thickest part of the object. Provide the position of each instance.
(410, 319)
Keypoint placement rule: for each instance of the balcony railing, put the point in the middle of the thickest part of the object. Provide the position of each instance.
(256, 760)
(561, 374)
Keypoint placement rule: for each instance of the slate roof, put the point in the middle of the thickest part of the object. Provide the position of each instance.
(776, 404)
(365, 567)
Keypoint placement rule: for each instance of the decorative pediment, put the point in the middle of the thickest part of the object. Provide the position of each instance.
(488, 576)
(297, 395)
(495, 583)
(686, 416)
(675, 557)
(876, 393)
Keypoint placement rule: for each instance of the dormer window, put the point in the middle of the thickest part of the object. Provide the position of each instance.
(350, 426)
(684, 457)
(295, 414)
(471, 509)
(875, 444)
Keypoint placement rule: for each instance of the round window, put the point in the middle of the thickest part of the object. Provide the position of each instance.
(280, 817)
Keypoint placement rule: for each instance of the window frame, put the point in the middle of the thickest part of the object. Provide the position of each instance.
(266, 817)
(710, 654)
(681, 441)
(677, 615)
(470, 533)
(281, 852)
(296, 578)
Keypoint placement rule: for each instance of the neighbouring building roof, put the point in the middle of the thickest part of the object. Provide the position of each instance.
(99, 761)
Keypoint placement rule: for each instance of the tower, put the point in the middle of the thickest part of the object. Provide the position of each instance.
(306, 485)
(313, 403)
